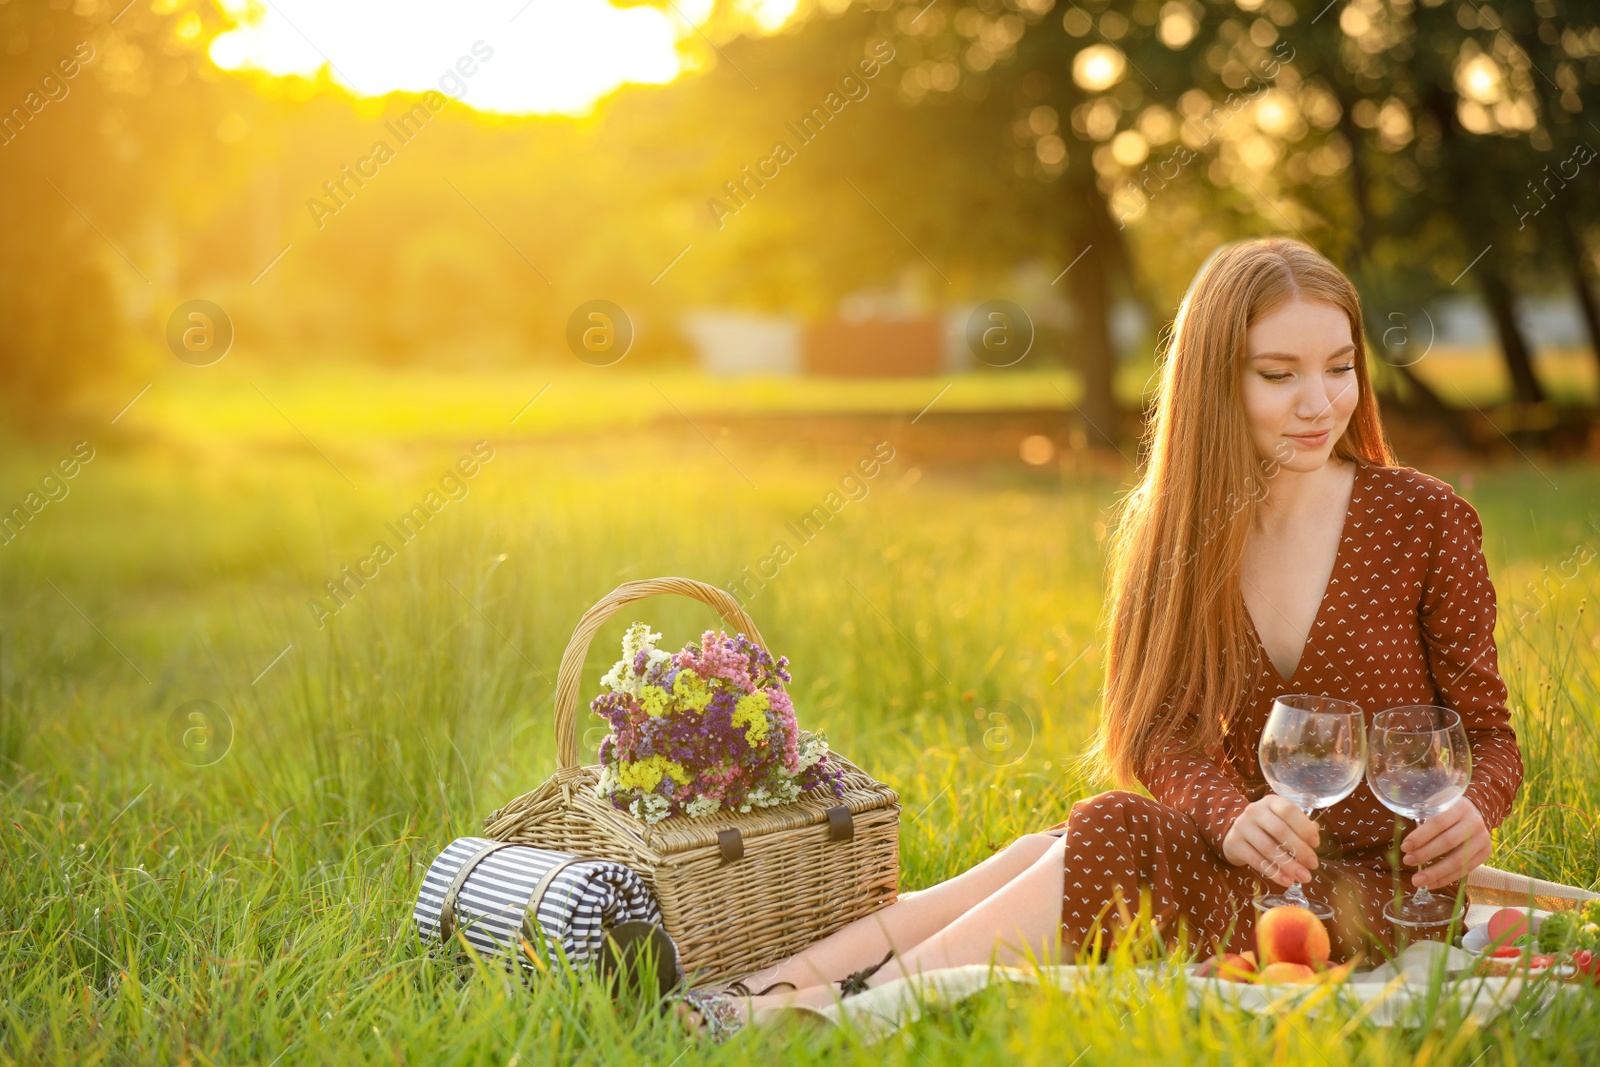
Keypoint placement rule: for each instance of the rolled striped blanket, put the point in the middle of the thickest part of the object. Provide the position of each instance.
(496, 893)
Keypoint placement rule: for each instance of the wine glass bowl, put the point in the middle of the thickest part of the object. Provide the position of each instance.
(1418, 764)
(1313, 754)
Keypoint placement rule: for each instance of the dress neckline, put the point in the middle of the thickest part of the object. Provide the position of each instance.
(1327, 592)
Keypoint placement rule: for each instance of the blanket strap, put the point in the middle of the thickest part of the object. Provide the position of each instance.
(530, 917)
(447, 909)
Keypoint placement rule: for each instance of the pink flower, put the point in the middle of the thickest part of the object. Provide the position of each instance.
(724, 767)
(719, 659)
(783, 708)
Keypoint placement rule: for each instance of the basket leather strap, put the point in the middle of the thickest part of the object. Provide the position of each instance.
(841, 827)
(730, 843)
(447, 909)
(841, 824)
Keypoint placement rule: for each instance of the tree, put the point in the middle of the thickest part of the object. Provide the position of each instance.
(87, 97)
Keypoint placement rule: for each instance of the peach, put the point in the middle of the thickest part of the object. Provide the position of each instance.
(1508, 924)
(1334, 975)
(1233, 967)
(1288, 972)
(1292, 934)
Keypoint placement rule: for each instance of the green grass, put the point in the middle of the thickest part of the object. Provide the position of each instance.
(257, 910)
(246, 401)
(1462, 376)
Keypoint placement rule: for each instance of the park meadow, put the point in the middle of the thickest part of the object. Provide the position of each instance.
(251, 902)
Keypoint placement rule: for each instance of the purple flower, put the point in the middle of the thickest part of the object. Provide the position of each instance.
(722, 764)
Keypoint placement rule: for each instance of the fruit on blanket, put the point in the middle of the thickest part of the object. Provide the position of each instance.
(1288, 972)
(1508, 924)
(1291, 934)
(1232, 966)
(1331, 975)
(1587, 963)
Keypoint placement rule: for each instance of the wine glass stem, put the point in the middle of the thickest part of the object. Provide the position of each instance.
(1296, 894)
(1421, 898)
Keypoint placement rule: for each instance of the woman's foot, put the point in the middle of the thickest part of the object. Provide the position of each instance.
(727, 1012)
(702, 1012)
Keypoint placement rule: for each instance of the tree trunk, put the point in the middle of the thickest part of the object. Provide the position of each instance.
(1463, 182)
(1581, 284)
(1359, 253)
(1513, 343)
(1088, 230)
(1571, 244)
(1095, 355)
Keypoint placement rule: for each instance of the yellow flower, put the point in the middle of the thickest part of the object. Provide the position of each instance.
(751, 712)
(691, 690)
(645, 774)
(654, 700)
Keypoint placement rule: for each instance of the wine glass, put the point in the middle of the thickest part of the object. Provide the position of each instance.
(1418, 764)
(1313, 753)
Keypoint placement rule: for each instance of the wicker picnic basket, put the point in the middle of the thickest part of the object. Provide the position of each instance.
(738, 891)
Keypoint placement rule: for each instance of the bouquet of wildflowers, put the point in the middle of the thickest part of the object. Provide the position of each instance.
(706, 729)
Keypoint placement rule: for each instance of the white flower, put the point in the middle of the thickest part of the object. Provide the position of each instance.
(649, 807)
(616, 679)
(702, 806)
(606, 784)
(638, 637)
(621, 677)
(810, 749)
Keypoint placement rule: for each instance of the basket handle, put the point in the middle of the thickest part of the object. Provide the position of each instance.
(570, 676)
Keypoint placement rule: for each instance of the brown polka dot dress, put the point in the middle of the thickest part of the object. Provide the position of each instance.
(1407, 618)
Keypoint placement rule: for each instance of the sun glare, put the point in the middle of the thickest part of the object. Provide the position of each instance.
(1098, 67)
(525, 56)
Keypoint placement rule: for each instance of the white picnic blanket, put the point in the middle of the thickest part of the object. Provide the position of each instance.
(1386, 995)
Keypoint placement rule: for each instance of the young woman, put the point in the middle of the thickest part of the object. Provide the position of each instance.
(1272, 546)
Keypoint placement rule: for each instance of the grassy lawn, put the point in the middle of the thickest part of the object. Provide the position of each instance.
(241, 401)
(258, 909)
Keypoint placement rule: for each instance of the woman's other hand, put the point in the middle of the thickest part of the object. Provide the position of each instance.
(1454, 842)
(1275, 839)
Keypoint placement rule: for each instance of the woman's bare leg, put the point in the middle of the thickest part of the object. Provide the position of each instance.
(909, 921)
(1020, 920)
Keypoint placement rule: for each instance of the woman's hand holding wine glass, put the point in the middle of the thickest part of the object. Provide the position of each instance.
(1447, 847)
(1313, 753)
(1420, 764)
(1275, 839)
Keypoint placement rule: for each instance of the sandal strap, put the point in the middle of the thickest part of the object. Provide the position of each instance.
(855, 983)
(744, 991)
(775, 985)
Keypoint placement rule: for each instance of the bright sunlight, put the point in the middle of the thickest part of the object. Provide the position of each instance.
(551, 56)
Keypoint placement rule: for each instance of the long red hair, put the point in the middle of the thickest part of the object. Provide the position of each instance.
(1174, 612)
